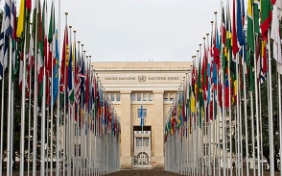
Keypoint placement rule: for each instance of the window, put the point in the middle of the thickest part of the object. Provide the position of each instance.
(77, 150)
(118, 97)
(169, 96)
(165, 96)
(146, 141)
(133, 97)
(139, 97)
(144, 112)
(77, 131)
(150, 97)
(144, 97)
(139, 141)
(112, 97)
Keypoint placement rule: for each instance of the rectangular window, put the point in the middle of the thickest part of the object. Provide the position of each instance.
(139, 141)
(77, 130)
(144, 112)
(165, 96)
(118, 97)
(146, 141)
(112, 97)
(77, 150)
(144, 97)
(139, 97)
(133, 97)
(150, 97)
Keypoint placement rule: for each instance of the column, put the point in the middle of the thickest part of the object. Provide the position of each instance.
(157, 129)
(126, 129)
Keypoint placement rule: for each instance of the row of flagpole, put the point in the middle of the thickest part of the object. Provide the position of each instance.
(216, 125)
(86, 128)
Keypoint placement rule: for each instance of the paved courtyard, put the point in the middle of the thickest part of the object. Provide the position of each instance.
(144, 172)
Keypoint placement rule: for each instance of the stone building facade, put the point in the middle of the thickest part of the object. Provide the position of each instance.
(154, 85)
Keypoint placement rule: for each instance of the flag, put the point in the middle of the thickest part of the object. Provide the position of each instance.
(223, 51)
(275, 34)
(64, 61)
(54, 55)
(240, 22)
(266, 17)
(141, 115)
(235, 48)
(70, 80)
(250, 30)
(41, 33)
(20, 25)
(216, 47)
(6, 32)
(30, 64)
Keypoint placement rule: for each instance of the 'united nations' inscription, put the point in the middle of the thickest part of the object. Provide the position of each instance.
(119, 78)
(142, 78)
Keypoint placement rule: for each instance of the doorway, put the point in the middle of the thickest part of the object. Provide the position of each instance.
(142, 146)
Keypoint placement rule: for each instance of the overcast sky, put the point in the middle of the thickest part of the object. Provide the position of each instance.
(140, 30)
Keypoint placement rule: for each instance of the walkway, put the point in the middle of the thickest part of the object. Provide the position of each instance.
(144, 172)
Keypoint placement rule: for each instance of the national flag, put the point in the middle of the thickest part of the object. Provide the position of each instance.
(41, 47)
(20, 25)
(266, 17)
(240, 22)
(223, 49)
(235, 47)
(250, 29)
(77, 79)
(30, 64)
(141, 115)
(275, 35)
(70, 79)
(6, 33)
(64, 62)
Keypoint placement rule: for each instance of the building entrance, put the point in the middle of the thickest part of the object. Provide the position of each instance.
(142, 146)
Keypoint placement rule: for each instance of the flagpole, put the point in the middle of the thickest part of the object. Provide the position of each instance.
(230, 115)
(142, 124)
(64, 114)
(58, 132)
(74, 123)
(58, 98)
(2, 124)
(78, 126)
(69, 117)
(197, 123)
(46, 148)
(52, 110)
(35, 108)
(270, 110)
(223, 123)
(9, 114)
(43, 119)
(196, 149)
(91, 116)
(23, 109)
(185, 148)
(245, 117)
(12, 127)
(29, 110)
(279, 117)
